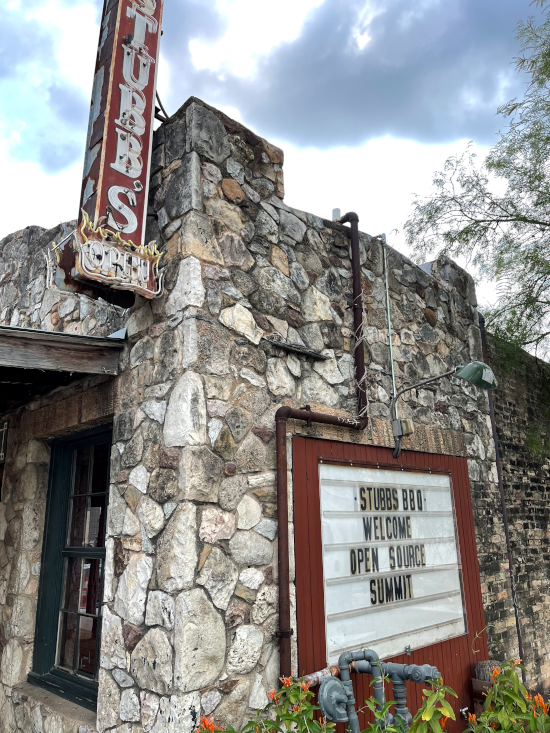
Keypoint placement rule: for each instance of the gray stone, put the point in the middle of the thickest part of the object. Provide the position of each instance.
(151, 516)
(132, 588)
(154, 410)
(252, 455)
(299, 276)
(151, 662)
(212, 173)
(249, 548)
(178, 714)
(235, 252)
(279, 379)
(245, 650)
(267, 528)
(252, 377)
(184, 192)
(241, 320)
(291, 226)
(185, 422)
(139, 477)
(129, 706)
(133, 451)
(251, 578)
(160, 610)
(219, 576)
(139, 320)
(216, 525)
(231, 711)
(428, 334)
(206, 134)
(113, 652)
(315, 389)
(231, 491)
(235, 170)
(239, 422)
(197, 237)
(266, 227)
(273, 280)
(149, 708)
(177, 550)
(312, 336)
(329, 284)
(142, 351)
(210, 701)
(266, 604)
(315, 306)
(108, 701)
(249, 512)
(188, 289)
(329, 369)
(258, 697)
(122, 677)
(200, 473)
(199, 642)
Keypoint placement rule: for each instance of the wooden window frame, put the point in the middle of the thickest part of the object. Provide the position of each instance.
(44, 672)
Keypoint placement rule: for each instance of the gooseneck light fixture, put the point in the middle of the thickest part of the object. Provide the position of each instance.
(476, 373)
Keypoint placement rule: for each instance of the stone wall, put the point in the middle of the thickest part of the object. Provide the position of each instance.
(191, 575)
(522, 409)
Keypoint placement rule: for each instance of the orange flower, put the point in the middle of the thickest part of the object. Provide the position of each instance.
(207, 724)
(286, 681)
(305, 686)
(444, 720)
(471, 718)
(539, 703)
(496, 672)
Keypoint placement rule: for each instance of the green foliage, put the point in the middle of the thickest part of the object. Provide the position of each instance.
(510, 707)
(496, 213)
(537, 444)
(509, 356)
(434, 711)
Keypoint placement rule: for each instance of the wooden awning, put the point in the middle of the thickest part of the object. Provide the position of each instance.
(34, 362)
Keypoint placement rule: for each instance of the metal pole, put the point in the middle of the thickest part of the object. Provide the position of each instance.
(503, 501)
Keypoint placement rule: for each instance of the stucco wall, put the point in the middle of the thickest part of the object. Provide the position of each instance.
(191, 576)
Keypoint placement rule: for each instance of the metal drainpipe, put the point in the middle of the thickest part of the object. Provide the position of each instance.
(502, 499)
(282, 416)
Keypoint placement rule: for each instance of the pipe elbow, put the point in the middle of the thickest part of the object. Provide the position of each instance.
(283, 413)
(349, 217)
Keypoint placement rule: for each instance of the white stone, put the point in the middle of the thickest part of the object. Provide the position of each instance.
(251, 578)
(259, 480)
(245, 650)
(132, 588)
(139, 321)
(160, 610)
(178, 714)
(219, 576)
(210, 701)
(129, 706)
(139, 477)
(265, 604)
(11, 669)
(258, 697)
(241, 320)
(149, 709)
(329, 369)
(190, 340)
(250, 548)
(252, 377)
(201, 472)
(315, 306)
(185, 422)
(214, 426)
(249, 512)
(108, 701)
(155, 410)
(66, 306)
(131, 526)
(122, 678)
(294, 365)
(113, 652)
(279, 379)
(280, 326)
(151, 516)
(177, 550)
(199, 642)
(109, 570)
(315, 389)
(267, 528)
(151, 662)
(188, 289)
(216, 525)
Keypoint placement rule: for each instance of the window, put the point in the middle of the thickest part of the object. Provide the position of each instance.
(68, 625)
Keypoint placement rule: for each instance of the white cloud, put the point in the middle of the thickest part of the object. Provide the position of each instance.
(253, 30)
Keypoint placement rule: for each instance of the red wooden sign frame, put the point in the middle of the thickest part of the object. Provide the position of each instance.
(455, 658)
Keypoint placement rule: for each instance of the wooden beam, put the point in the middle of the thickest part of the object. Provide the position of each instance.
(30, 349)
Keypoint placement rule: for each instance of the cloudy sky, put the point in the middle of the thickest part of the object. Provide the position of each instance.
(366, 97)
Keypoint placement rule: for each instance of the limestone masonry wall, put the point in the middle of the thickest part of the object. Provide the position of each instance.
(190, 591)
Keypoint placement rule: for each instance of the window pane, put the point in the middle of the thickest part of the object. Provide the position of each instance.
(100, 476)
(82, 469)
(87, 645)
(82, 585)
(73, 583)
(96, 521)
(67, 640)
(77, 522)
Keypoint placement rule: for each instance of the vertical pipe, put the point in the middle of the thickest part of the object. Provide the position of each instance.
(285, 631)
(395, 415)
(502, 499)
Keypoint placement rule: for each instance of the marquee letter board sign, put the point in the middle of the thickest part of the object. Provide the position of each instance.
(391, 562)
(109, 242)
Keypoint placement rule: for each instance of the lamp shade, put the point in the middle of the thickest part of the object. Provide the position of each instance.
(477, 373)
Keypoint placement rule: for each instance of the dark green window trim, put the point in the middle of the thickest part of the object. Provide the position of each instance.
(45, 673)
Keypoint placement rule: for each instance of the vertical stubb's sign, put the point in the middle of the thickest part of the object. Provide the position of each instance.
(109, 242)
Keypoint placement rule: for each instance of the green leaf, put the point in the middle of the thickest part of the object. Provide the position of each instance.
(447, 709)
(427, 713)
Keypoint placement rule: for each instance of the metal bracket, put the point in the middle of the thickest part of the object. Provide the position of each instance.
(284, 634)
